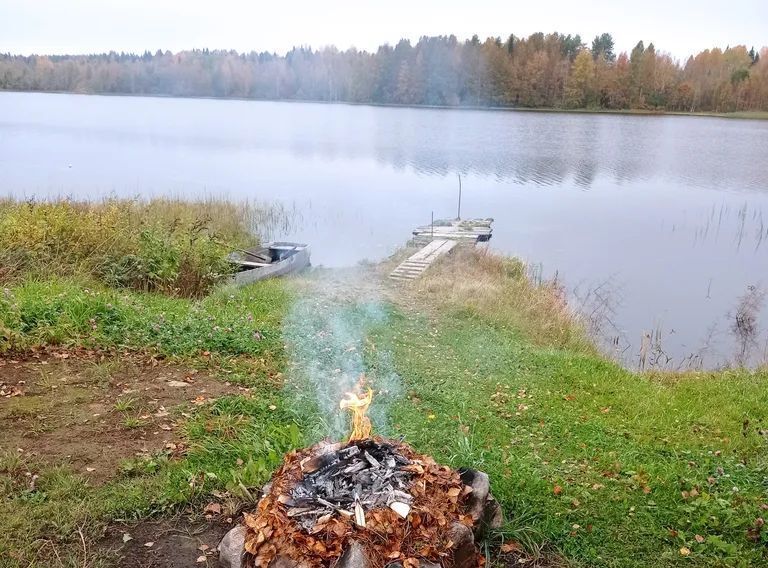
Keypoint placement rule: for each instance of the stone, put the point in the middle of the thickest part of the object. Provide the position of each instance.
(493, 518)
(483, 507)
(481, 487)
(232, 547)
(464, 551)
(353, 557)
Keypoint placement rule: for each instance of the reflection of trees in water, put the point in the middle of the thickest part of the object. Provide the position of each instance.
(549, 149)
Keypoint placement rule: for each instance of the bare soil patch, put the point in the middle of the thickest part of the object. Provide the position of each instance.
(93, 412)
(168, 543)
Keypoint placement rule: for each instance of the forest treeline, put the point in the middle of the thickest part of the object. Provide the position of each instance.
(546, 71)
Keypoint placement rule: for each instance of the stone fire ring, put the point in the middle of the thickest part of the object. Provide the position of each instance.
(480, 504)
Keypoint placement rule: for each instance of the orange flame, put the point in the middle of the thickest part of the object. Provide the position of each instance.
(361, 424)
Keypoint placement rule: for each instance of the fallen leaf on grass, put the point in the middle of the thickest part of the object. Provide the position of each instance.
(699, 538)
(557, 490)
(201, 559)
(685, 551)
(127, 537)
(149, 544)
(212, 509)
(508, 547)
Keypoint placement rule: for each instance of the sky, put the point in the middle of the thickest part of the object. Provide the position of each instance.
(87, 26)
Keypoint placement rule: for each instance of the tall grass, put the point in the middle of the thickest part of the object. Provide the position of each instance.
(165, 245)
(500, 289)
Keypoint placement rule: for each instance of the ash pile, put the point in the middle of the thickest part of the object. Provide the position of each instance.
(364, 475)
(369, 503)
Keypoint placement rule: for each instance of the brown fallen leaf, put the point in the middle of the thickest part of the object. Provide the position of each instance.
(557, 490)
(212, 509)
(511, 546)
(699, 538)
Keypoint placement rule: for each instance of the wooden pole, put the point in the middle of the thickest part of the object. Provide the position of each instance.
(458, 214)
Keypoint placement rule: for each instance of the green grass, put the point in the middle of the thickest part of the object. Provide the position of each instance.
(39, 527)
(233, 443)
(75, 312)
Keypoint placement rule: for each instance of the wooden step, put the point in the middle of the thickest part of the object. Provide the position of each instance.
(415, 265)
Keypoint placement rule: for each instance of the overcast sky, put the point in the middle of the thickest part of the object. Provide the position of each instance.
(86, 26)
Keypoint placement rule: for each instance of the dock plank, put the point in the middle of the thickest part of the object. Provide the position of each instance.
(415, 265)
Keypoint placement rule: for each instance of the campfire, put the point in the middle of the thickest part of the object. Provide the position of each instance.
(369, 502)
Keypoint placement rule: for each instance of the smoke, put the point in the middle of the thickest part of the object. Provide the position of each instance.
(330, 333)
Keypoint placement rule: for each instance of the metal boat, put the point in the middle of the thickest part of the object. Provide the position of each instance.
(268, 261)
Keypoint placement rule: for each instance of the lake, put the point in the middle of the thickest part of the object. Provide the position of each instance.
(654, 224)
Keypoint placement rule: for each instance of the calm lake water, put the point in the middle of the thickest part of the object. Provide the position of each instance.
(662, 218)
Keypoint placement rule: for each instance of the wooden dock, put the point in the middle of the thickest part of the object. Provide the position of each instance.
(438, 239)
(416, 264)
(468, 231)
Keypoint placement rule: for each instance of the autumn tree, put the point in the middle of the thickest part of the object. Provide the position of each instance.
(541, 70)
(581, 83)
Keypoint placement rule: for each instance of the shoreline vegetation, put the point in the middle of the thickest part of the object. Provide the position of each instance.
(744, 115)
(553, 70)
(128, 405)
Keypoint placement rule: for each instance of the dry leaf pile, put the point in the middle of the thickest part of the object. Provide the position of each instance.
(438, 496)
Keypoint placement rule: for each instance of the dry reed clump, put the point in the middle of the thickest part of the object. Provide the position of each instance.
(164, 245)
(500, 289)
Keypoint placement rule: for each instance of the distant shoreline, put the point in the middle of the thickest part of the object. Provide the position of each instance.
(745, 115)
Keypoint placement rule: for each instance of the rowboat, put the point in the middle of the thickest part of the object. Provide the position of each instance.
(268, 261)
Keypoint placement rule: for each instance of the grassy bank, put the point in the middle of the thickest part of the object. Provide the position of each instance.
(125, 402)
(596, 464)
